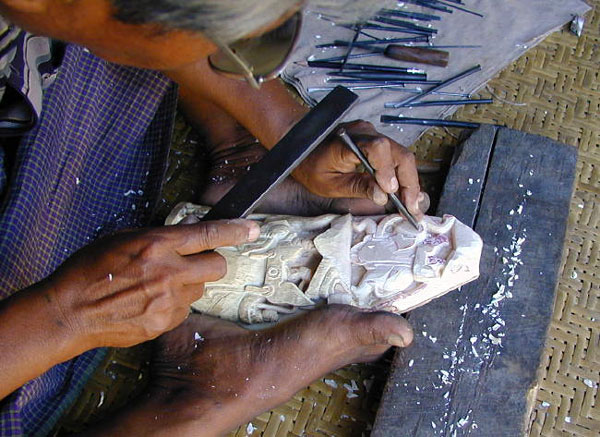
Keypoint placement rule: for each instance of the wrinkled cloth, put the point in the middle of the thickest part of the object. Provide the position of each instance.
(93, 165)
(27, 67)
(509, 28)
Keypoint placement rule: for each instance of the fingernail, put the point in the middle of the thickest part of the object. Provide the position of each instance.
(394, 183)
(396, 340)
(424, 202)
(379, 197)
(253, 230)
(253, 227)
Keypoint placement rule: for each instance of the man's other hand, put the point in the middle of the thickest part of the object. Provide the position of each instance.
(331, 170)
(135, 285)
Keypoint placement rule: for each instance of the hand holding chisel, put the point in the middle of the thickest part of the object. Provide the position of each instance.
(397, 203)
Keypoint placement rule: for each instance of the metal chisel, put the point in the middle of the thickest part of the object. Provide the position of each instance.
(365, 162)
(282, 159)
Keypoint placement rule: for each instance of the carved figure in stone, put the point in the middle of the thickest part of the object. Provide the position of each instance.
(376, 263)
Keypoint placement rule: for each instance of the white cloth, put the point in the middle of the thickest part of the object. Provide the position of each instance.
(509, 28)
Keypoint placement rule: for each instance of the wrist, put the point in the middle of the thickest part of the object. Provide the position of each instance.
(33, 338)
(58, 320)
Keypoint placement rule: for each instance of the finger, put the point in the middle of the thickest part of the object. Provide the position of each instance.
(196, 238)
(192, 292)
(408, 178)
(378, 151)
(359, 185)
(201, 268)
(424, 202)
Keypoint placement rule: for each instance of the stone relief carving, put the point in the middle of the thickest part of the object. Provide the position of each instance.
(375, 263)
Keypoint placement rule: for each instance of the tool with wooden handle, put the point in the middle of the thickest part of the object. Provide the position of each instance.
(417, 55)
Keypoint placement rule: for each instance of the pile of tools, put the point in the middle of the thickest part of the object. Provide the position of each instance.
(413, 33)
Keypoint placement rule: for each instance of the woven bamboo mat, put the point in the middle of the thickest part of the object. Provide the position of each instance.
(554, 90)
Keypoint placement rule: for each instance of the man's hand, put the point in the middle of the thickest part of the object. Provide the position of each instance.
(120, 291)
(330, 171)
(133, 286)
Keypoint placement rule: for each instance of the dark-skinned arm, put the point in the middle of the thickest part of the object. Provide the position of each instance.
(33, 337)
(268, 113)
(120, 291)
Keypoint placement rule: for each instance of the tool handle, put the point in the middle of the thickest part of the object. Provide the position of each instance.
(417, 55)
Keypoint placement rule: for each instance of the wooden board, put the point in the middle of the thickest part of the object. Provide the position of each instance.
(472, 368)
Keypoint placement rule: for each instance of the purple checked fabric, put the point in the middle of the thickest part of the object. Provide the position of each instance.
(93, 165)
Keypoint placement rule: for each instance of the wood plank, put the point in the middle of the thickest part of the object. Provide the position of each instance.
(473, 365)
(463, 187)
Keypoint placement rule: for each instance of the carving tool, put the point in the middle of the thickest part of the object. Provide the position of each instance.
(395, 29)
(351, 45)
(390, 119)
(399, 88)
(389, 82)
(426, 4)
(362, 67)
(404, 24)
(417, 55)
(454, 4)
(379, 76)
(445, 103)
(365, 162)
(282, 159)
(372, 42)
(438, 87)
(412, 15)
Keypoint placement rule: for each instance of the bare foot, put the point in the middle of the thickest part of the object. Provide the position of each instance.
(210, 376)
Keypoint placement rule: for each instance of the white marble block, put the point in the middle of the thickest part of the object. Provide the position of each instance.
(374, 263)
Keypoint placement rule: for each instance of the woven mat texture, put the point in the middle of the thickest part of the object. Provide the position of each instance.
(553, 90)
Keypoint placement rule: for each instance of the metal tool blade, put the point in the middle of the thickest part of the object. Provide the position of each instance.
(282, 159)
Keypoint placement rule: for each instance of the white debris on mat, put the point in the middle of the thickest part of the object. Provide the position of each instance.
(590, 383)
(352, 389)
(331, 383)
(250, 429)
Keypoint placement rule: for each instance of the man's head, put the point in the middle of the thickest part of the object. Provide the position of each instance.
(219, 20)
(163, 34)
(230, 20)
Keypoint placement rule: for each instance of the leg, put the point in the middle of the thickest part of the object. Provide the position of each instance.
(210, 376)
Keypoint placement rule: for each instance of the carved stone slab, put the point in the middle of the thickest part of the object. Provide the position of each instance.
(374, 263)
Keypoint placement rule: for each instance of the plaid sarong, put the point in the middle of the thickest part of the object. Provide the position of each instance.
(93, 165)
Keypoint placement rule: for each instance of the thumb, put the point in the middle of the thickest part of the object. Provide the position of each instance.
(200, 237)
(360, 185)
